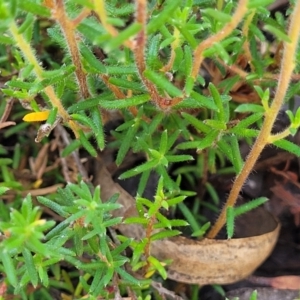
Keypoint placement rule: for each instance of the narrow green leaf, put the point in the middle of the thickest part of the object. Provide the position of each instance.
(247, 121)
(161, 19)
(83, 105)
(9, 268)
(126, 84)
(217, 15)
(126, 144)
(43, 276)
(152, 58)
(166, 42)
(112, 222)
(27, 23)
(3, 190)
(78, 241)
(199, 125)
(86, 144)
(178, 158)
(127, 276)
(255, 30)
(249, 107)
(82, 118)
(136, 220)
(162, 82)
(5, 161)
(225, 148)
(52, 116)
(143, 182)
(236, 154)
(259, 3)
(188, 59)
(215, 124)
(218, 101)
(253, 295)
(202, 231)
(74, 145)
(163, 142)
(173, 223)
(278, 33)
(188, 87)
(92, 61)
(176, 200)
(144, 201)
(153, 211)
(204, 101)
(30, 267)
(124, 103)
(124, 35)
(244, 208)
(188, 145)
(189, 37)
(98, 127)
(158, 266)
(120, 248)
(34, 8)
(53, 206)
(178, 223)
(230, 222)
(122, 70)
(288, 146)
(139, 169)
(6, 40)
(96, 283)
(208, 140)
(189, 216)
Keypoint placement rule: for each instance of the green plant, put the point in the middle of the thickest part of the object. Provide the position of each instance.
(76, 62)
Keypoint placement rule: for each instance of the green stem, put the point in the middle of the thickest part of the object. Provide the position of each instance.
(279, 136)
(287, 66)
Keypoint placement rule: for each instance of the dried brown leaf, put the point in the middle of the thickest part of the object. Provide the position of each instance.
(199, 262)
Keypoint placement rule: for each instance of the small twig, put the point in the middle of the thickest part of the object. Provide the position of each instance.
(163, 291)
(174, 45)
(65, 137)
(6, 124)
(115, 282)
(7, 110)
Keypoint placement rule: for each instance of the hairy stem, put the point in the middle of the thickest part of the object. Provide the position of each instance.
(68, 29)
(175, 44)
(264, 137)
(29, 55)
(228, 28)
(139, 49)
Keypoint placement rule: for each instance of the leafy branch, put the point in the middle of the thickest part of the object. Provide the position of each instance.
(265, 137)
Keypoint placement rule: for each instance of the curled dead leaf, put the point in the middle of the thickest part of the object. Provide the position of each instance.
(198, 262)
